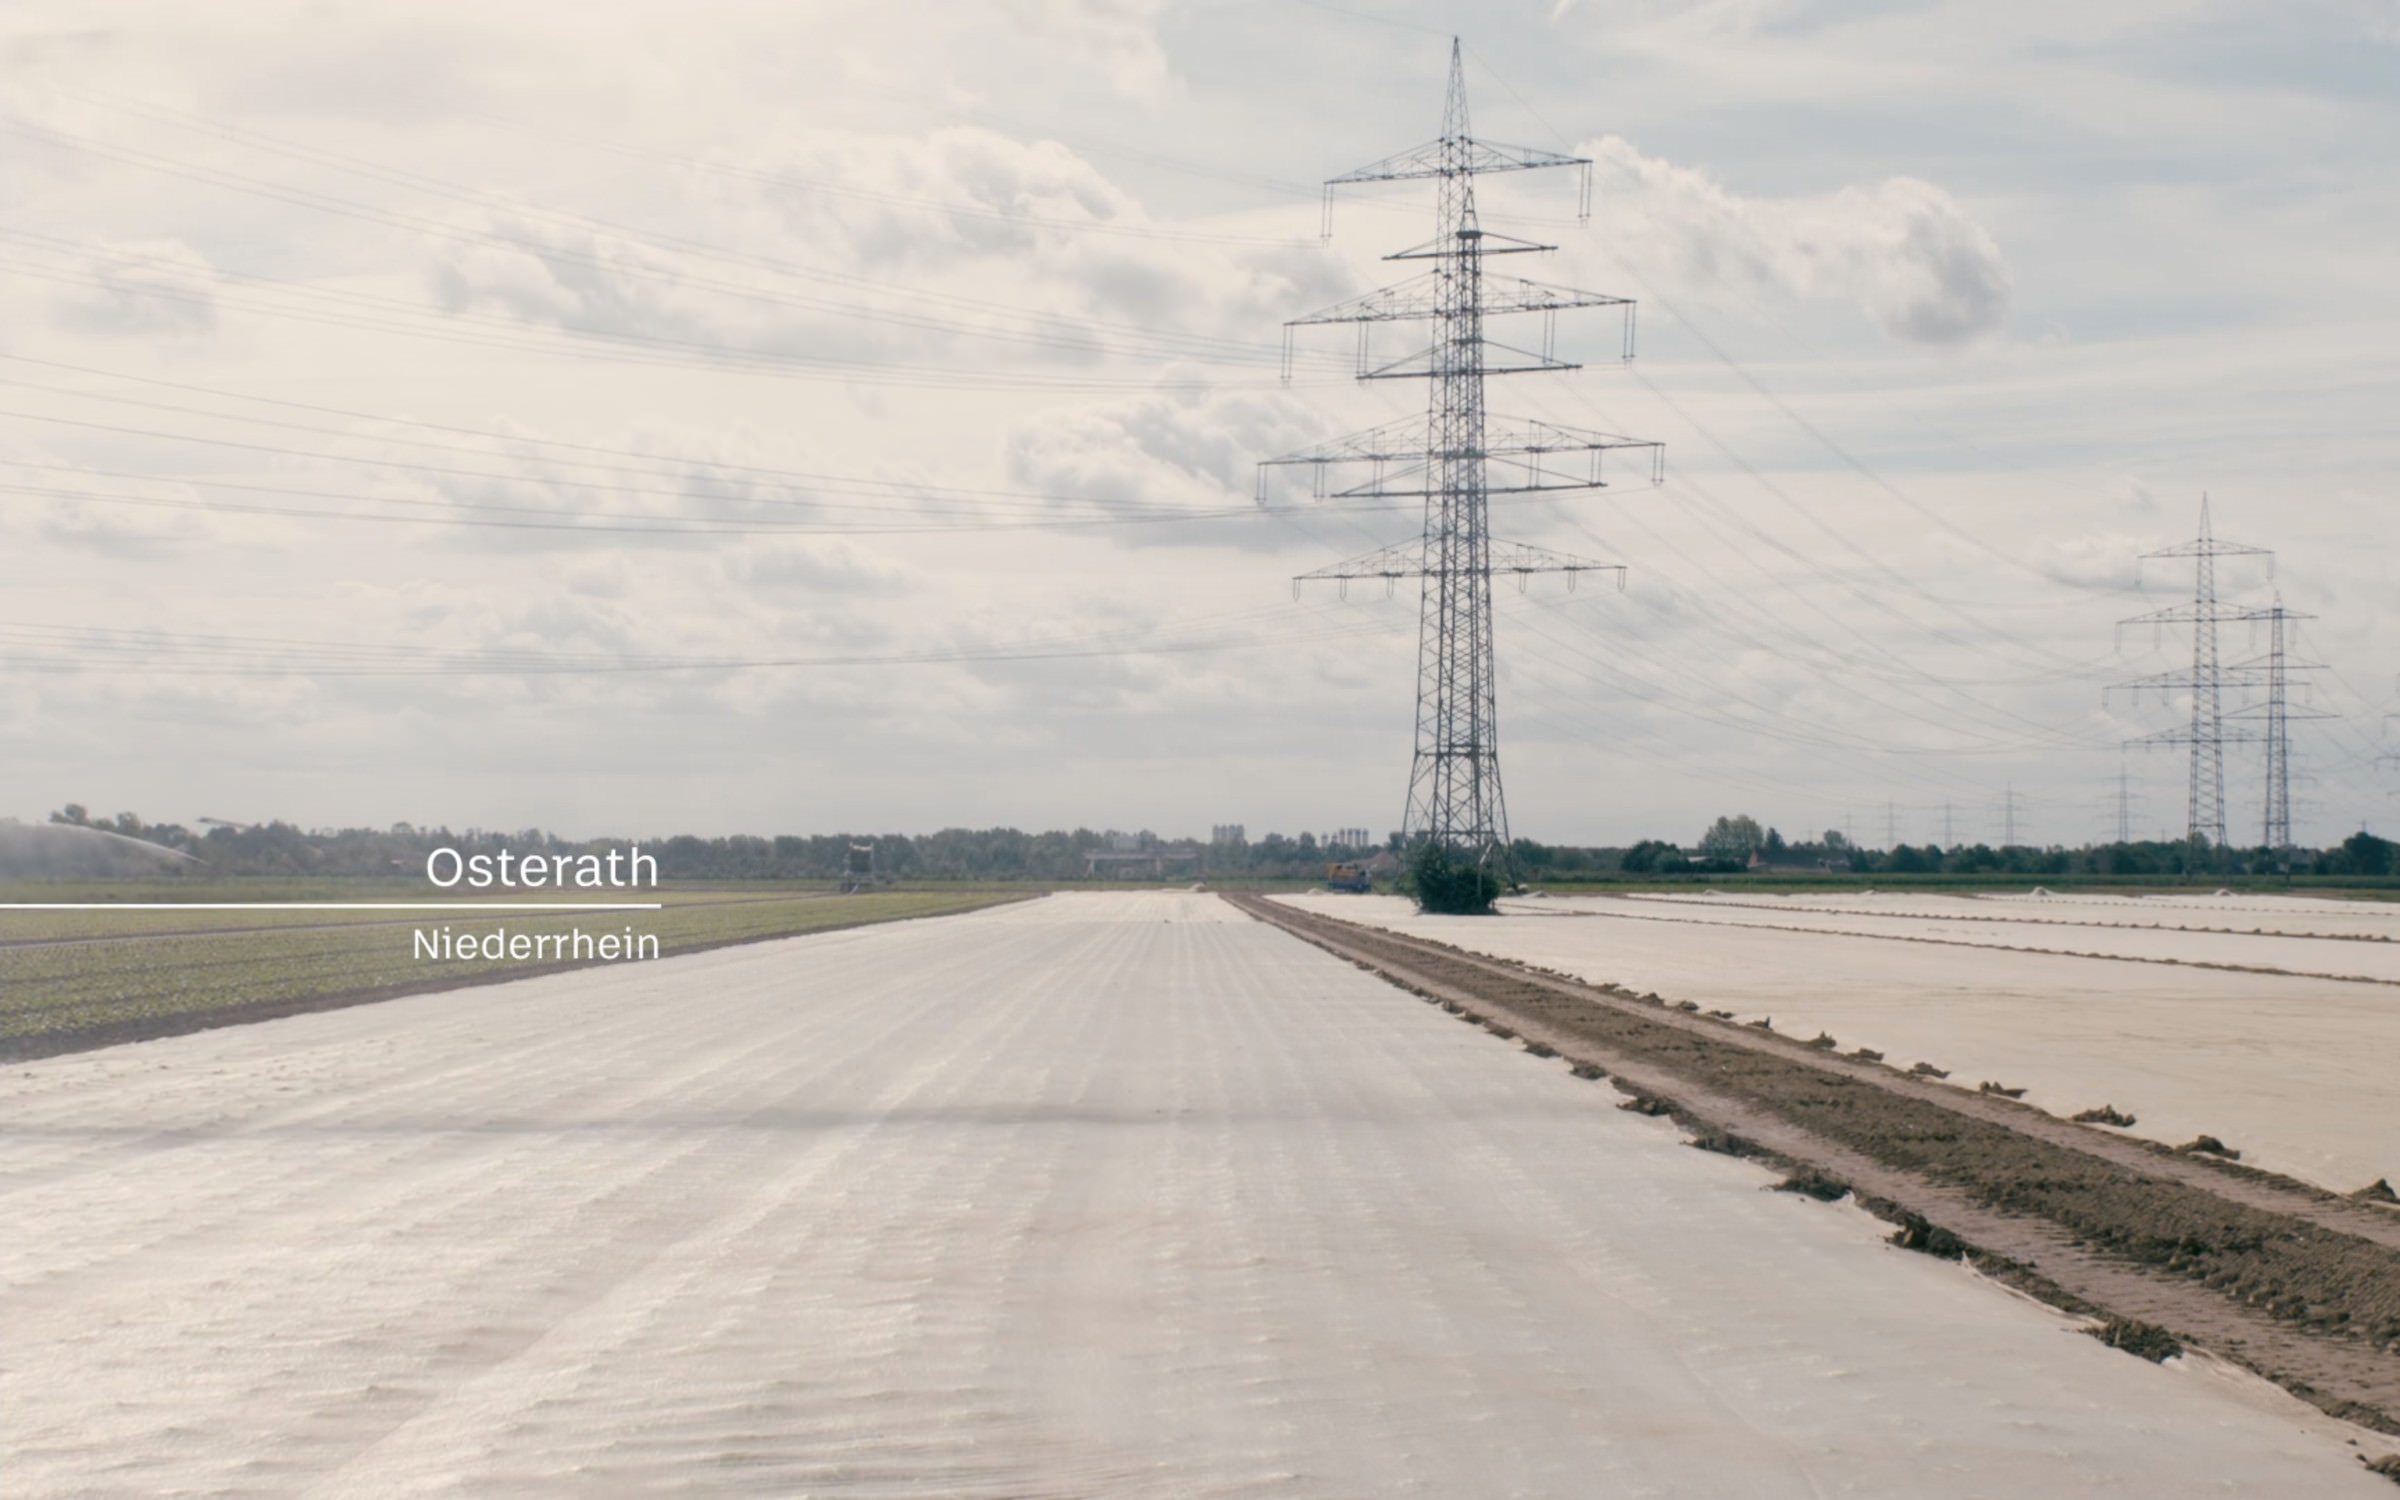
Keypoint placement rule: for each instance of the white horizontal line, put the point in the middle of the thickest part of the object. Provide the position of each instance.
(459, 906)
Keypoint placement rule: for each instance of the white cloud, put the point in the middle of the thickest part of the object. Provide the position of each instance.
(1193, 448)
(1902, 249)
(838, 245)
(142, 289)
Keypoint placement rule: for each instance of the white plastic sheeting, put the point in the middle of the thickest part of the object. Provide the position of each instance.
(2296, 1073)
(1101, 1195)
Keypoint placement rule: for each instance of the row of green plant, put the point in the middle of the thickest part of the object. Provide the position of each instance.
(103, 978)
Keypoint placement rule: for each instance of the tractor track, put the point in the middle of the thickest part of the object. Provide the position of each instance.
(2300, 1285)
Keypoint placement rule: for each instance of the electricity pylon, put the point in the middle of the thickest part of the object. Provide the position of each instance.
(2206, 681)
(1455, 461)
(2276, 669)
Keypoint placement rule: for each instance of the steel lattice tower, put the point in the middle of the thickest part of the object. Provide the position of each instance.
(2275, 670)
(2278, 830)
(1456, 461)
(2206, 682)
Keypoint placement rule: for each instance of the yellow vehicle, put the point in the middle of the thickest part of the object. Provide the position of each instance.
(1347, 877)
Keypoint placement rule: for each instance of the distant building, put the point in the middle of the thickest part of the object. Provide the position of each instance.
(1227, 833)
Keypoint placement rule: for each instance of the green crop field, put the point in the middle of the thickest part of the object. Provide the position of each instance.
(76, 979)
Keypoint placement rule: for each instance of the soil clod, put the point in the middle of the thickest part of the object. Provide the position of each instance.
(1541, 1049)
(2209, 1145)
(1867, 1054)
(1502, 1032)
(2148, 1340)
(1687, 1005)
(1823, 1041)
(1589, 1070)
(1643, 1104)
(2378, 1191)
(2003, 1090)
(1928, 1070)
(1725, 1143)
(2106, 1114)
(1916, 1234)
(1811, 1183)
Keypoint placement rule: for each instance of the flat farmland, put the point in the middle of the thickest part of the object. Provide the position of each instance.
(2082, 1001)
(75, 979)
(1096, 1195)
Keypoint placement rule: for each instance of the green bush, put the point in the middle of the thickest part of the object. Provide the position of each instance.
(1446, 884)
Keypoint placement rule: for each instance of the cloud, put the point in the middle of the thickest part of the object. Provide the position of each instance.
(142, 288)
(1119, 38)
(1189, 448)
(797, 572)
(2103, 562)
(1903, 250)
(847, 246)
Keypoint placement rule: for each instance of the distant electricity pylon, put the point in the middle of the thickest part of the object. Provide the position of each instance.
(2206, 681)
(1455, 461)
(2277, 713)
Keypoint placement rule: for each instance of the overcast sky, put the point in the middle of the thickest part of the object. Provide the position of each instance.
(788, 418)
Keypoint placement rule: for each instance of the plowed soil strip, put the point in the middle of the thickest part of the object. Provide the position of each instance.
(2297, 1284)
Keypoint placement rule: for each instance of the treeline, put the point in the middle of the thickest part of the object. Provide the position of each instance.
(1734, 845)
(283, 849)
(1731, 846)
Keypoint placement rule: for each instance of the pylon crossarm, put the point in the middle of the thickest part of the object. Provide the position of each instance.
(2185, 614)
(1524, 559)
(2183, 736)
(1523, 456)
(2180, 680)
(2269, 712)
(1400, 560)
(1487, 242)
(2211, 547)
(1491, 357)
(1407, 560)
(1418, 299)
(1452, 157)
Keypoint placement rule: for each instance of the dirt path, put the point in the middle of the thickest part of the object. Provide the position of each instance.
(2298, 1284)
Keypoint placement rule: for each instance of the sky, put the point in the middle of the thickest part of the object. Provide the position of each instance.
(732, 417)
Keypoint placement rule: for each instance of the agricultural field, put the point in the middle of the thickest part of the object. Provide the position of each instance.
(71, 979)
(2270, 1023)
(1119, 1194)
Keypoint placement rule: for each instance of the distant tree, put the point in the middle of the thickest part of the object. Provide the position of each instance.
(2363, 853)
(1446, 884)
(73, 812)
(1774, 843)
(1653, 856)
(1733, 839)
